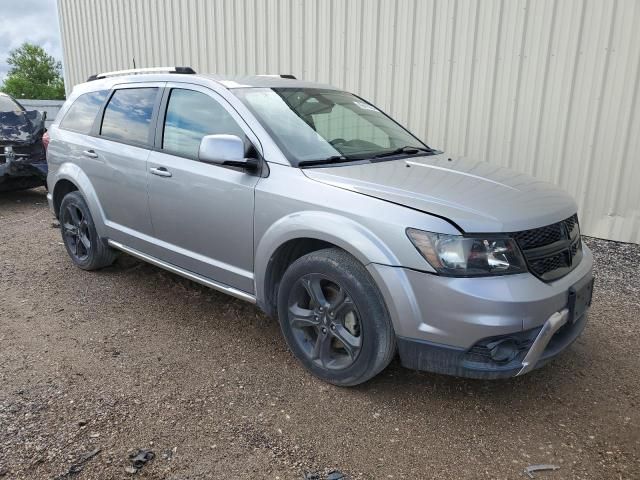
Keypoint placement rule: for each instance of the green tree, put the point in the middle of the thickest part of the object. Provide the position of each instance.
(33, 74)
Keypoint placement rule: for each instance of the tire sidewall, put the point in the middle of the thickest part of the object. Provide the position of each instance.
(374, 319)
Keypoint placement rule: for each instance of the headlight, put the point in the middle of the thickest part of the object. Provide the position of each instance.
(456, 255)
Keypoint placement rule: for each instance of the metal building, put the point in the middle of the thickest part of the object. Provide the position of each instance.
(549, 87)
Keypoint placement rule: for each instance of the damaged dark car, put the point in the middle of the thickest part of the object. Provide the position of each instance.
(23, 162)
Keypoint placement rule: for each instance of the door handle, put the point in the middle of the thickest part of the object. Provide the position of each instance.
(160, 171)
(90, 154)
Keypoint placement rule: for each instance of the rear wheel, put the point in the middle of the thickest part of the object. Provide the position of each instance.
(86, 249)
(333, 318)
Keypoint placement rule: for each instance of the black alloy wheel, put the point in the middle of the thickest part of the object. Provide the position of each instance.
(75, 230)
(325, 322)
(334, 318)
(85, 247)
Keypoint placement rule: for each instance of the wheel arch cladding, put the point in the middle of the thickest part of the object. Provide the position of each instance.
(285, 255)
(61, 189)
(298, 234)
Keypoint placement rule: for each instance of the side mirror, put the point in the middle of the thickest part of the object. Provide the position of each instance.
(224, 150)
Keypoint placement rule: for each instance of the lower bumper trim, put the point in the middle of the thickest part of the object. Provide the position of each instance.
(546, 342)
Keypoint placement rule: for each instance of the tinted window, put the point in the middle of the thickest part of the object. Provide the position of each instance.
(190, 116)
(128, 115)
(83, 112)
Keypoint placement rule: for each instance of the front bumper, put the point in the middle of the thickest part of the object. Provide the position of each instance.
(541, 345)
(448, 325)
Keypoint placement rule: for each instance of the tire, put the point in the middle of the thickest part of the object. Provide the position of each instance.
(86, 249)
(333, 318)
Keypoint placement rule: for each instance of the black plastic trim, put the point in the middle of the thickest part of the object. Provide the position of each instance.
(419, 354)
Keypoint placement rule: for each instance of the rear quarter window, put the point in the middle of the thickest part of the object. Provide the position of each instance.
(83, 111)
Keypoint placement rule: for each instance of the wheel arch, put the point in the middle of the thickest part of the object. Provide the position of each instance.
(60, 190)
(69, 178)
(299, 234)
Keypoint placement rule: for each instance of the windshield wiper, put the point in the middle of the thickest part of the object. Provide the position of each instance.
(352, 158)
(326, 161)
(406, 149)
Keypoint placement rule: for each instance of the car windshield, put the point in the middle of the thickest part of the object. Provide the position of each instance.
(316, 126)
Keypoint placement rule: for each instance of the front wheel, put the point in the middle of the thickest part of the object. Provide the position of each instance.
(86, 249)
(334, 319)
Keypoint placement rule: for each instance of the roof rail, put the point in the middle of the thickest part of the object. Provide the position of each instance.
(283, 75)
(138, 71)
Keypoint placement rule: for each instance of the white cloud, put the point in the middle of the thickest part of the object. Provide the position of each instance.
(34, 21)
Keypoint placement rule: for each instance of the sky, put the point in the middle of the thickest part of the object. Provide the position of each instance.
(34, 21)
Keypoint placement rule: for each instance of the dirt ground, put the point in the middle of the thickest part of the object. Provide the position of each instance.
(133, 357)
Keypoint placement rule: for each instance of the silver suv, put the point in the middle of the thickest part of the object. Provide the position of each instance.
(325, 212)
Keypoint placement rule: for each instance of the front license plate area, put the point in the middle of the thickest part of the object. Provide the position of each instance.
(579, 300)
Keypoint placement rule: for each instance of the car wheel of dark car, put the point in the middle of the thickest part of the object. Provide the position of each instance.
(87, 250)
(333, 318)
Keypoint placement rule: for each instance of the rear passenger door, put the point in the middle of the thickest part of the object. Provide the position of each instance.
(117, 160)
(202, 214)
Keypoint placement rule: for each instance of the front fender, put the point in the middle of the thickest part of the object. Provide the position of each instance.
(74, 174)
(329, 227)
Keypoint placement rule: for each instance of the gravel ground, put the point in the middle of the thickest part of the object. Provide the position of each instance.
(133, 357)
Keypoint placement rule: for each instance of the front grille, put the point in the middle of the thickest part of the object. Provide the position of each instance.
(539, 236)
(552, 251)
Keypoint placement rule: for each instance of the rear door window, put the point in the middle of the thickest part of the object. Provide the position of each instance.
(190, 116)
(128, 115)
(82, 113)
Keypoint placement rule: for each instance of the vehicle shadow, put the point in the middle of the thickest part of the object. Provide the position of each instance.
(34, 195)
(528, 388)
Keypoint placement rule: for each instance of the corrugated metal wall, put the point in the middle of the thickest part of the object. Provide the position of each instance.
(549, 87)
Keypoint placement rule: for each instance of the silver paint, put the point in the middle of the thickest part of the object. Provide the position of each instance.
(223, 225)
(220, 149)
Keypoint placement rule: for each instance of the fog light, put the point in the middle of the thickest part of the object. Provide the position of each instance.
(503, 350)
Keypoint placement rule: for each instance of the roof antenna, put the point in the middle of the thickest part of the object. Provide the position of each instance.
(134, 62)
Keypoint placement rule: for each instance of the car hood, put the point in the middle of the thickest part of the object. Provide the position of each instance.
(476, 196)
(21, 127)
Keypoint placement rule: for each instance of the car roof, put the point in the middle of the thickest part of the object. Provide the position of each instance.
(226, 81)
(269, 81)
